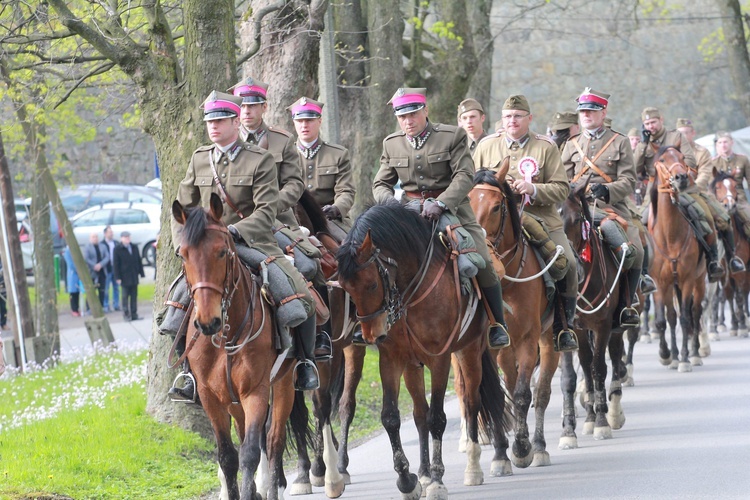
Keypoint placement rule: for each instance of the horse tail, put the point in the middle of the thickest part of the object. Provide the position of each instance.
(299, 425)
(496, 406)
(336, 388)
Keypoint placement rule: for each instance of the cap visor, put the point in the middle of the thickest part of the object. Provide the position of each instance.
(253, 99)
(218, 115)
(409, 108)
(590, 106)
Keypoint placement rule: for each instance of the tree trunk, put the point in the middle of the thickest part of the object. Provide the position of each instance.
(739, 62)
(484, 46)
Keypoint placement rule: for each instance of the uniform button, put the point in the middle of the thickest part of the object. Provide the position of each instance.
(421, 177)
(203, 182)
(309, 176)
(309, 167)
(419, 157)
(512, 157)
(240, 181)
(223, 175)
(439, 157)
(399, 164)
(309, 186)
(226, 163)
(328, 171)
(419, 167)
(424, 187)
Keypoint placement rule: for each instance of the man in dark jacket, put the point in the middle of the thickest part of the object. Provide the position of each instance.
(127, 267)
(97, 257)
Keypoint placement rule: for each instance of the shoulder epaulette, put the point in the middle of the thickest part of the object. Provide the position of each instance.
(335, 146)
(280, 131)
(207, 147)
(494, 135)
(395, 134)
(544, 138)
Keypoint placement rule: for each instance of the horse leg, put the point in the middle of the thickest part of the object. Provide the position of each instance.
(301, 484)
(586, 356)
(526, 356)
(501, 465)
(226, 453)
(321, 404)
(713, 301)
(288, 406)
(615, 415)
(354, 358)
(255, 409)
(548, 360)
(672, 319)
(694, 314)
(414, 382)
(645, 337)
(730, 300)
(436, 421)
(568, 439)
(632, 339)
(602, 429)
(665, 357)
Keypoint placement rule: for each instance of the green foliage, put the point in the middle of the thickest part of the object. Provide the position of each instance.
(444, 30)
(712, 46)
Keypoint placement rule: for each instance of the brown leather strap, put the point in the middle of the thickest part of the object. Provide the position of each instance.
(291, 298)
(425, 194)
(590, 163)
(175, 304)
(222, 192)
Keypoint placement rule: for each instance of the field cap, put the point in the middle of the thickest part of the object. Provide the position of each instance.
(563, 120)
(407, 100)
(251, 90)
(219, 105)
(518, 102)
(650, 113)
(469, 105)
(304, 108)
(684, 122)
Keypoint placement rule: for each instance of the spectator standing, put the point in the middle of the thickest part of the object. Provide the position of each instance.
(114, 304)
(72, 283)
(127, 268)
(97, 257)
(3, 306)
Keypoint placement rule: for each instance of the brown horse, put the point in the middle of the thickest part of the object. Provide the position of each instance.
(231, 352)
(679, 268)
(597, 305)
(529, 320)
(405, 284)
(339, 377)
(736, 286)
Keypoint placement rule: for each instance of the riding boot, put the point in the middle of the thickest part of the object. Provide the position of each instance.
(306, 372)
(186, 393)
(498, 335)
(357, 337)
(629, 317)
(735, 263)
(563, 337)
(323, 346)
(647, 282)
(715, 271)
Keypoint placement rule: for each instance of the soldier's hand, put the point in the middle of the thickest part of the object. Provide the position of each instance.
(600, 191)
(645, 136)
(520, 186)
(236, 236)
(332, 212)
(431, 210)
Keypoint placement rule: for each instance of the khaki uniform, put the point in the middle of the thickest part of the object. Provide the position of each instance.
(442, 164)
(704, 166)
(551, 184)
(280, 144)
(473, 144)
(616, 161)
(738, 166)
(328, 177)
(249, 177)
(644, 153)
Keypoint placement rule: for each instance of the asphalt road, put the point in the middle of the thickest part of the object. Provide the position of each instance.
(687, 435)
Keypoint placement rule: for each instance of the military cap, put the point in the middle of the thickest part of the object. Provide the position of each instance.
(518, 102)
(469, 105)
(650, 113)
(684, 122)
(219, 105)
(723, 133)
(251, 90)
(124, 233)
(592, 100)
(563, 120)
(608, 123)
(633, 132)
(304, 108)
(406, 100)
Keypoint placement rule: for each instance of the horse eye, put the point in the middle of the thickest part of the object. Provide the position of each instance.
(223, 253)
(373, 286)
(496, 209)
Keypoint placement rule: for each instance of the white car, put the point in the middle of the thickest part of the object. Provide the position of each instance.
(141, 220)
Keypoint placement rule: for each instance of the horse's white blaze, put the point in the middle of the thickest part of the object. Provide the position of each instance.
(224, 494)
(473, 475)
(334, 479)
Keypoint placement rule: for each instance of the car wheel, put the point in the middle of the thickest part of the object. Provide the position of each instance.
(149, 253)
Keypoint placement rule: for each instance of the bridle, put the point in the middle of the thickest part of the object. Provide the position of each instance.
(392, 300)
(667, 183)
(728, 200)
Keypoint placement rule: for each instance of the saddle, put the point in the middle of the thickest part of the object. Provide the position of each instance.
(612, 226)
(536, 233)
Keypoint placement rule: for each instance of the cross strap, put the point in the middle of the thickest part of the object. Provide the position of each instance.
(224, 195)
(589, 163)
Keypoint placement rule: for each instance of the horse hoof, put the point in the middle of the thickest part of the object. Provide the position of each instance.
(684, 367)
(604, 432)
(721, 328)
(713, 337)
(588, 428)
(317, 480)
(501, 468)
(541, 459)
(616, 421)
(347, 478)
(628, 382)
(472, 478)
(334, 490)
(704, 351)
(415, 494)
(425, 481)
(300, 489)
(437, 491)
(732, 333)
(568, 443)
(521, 462)
(654, 335)
(645, 339)
(674, 364)
(696, 361)
(665, 361)
(742, 333)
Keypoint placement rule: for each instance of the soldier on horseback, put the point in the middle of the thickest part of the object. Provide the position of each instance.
(607, 156)
(433, 164)
(536, 173)
(738, 166)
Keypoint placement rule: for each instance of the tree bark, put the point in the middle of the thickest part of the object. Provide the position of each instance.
(739, 61)
(480, 85)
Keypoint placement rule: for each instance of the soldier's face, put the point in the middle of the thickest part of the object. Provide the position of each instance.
(653, 125)
(688, 132)
(472, 121)
(516, 122)
(592, 119)
(633, 141)
(251, 115)
(223, 132)
(413, 123)
(308, 129)
(724, 146)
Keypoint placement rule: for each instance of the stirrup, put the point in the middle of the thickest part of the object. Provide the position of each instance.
(326, 344)
(317, 375)
(180, 376)
(634, 312)
(556, 343)
(647, 284)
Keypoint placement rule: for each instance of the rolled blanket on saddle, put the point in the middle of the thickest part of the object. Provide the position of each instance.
(613, 233)
(171, 317)
(536, 232)
(296, 244)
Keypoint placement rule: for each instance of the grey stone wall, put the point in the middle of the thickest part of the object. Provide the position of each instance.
(552, 52)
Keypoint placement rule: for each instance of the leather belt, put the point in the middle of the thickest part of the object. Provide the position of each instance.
(424, 194)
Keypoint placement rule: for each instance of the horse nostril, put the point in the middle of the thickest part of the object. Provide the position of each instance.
(379, 340)
(215, 325)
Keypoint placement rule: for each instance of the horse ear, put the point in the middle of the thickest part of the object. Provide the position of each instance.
(714, 172)
(178, 212)
(217, 208)
(366, 248)
(503, 170)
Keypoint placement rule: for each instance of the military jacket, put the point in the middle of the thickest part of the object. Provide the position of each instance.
(328, 176)
(550, 181)
(738, 166)
(616, 161)
(705, 167)
(248, 174)
(473, 144)
(442, 163)
(644, 153)
(280, 144)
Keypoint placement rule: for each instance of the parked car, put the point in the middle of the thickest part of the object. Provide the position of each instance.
(26, 235)
(89, 195)
(141, 220)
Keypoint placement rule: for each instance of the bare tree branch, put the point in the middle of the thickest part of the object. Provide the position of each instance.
(256, 30)
(102, 68)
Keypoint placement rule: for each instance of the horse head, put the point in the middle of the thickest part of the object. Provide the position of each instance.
(674, 175)
(491, 201)
(209, 260)
(576, 215)
(724, 187)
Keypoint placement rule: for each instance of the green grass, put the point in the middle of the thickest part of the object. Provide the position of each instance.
(145, 294)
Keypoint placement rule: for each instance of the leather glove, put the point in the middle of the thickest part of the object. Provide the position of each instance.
(235, 234)
(332, 212)
(645, 136)
(431, 210)
(600, 191)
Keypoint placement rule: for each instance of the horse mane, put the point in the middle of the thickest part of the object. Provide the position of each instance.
(314, 212)
(720, 178)
(394, 229)
(195, 226)
(487, 176)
